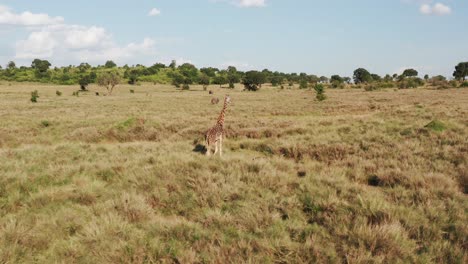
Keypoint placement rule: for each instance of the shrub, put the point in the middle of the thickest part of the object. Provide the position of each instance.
(58, 93)
(464, 84)
(34, 96)
(84, 81)
(320, 91)
(410, 83)
(436, 125)
(453, 83)
(76, 93)
(109, 80)
(337, 85)
(185, 87)
(303, 84)
(132, 91)
(370, 88)
(253, 80)
(384, 85)
(45, 123)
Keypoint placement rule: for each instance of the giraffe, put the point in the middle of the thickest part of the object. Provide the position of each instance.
(215, 134)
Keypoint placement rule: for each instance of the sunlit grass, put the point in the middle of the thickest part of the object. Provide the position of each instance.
(360, 177)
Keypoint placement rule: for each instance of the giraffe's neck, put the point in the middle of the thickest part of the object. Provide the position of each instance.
(222, 114)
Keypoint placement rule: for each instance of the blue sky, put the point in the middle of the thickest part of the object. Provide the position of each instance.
(316, 37)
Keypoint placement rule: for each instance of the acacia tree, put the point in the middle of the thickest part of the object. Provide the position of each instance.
(204, 80)
(109, 80)
(189, 71)
(361, 75)
(220, 80)
(232, 76)
(410, 73)
(40, 67)
(253, 80)
(110, 64)
(461, 71)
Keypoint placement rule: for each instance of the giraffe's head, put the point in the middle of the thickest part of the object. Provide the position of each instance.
(227, 99)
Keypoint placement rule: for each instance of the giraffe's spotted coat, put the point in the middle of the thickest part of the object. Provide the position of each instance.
(214, 135)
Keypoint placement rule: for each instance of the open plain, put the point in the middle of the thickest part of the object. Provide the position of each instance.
(362, 177)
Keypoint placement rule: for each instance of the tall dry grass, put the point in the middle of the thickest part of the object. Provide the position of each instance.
(358, 178)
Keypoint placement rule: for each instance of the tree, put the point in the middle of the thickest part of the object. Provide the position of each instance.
(109, 79)
(253, 80)
(388, 78)
(204, 80)
(84, 81)
(110, 64)
(410, 73)
(336, 78)
(320, 92)
(361, 75)
(83, 67)
(323, 79)
(376, 77)
(276, 80)
(11, 65)
(177, 79)
(220, 80)
(426, 77)
(461, 71)
(337, 81)
(189, 71)
(210, 72)
(173, 64)
(40, 67)
(232, 76)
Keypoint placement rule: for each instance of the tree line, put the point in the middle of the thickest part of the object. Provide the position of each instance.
(184, 75)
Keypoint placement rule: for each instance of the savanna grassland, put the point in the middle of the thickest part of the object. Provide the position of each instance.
(362, 177)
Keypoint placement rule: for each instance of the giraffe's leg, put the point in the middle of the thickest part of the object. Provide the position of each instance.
(216, 147)
(208, 149)
(221, 146)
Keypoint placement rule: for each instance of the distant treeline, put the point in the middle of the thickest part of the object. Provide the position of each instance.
(187, 74)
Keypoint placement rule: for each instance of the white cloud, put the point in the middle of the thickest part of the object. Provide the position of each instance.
(250, 3)
(75, 43)
(51, 38)
(8, 17)
(154, 12)
(244, 3)
(37, 45)
(438, 9)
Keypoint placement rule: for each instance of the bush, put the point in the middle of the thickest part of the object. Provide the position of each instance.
(253, 80)
(84, 81)
(76, 93)
(34, 96)
(303, 84)
(185, 87)
(384, 85)
(464, 85)
(410, 83)
(109, 80)
(132, 91)
(58, 93)
(436, 125)
(337, 85)
(370, 88)
(45, 123)
(320, 91)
